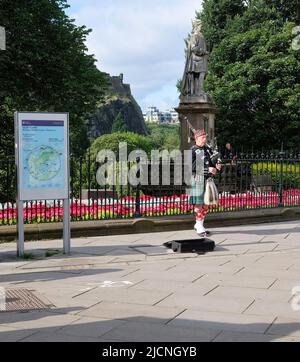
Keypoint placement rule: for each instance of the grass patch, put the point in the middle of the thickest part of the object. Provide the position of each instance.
(29, 256)
(50, 253)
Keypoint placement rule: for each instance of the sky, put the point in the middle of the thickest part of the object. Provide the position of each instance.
(142, 39)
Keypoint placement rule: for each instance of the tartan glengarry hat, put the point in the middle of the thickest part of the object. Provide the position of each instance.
(199, 133)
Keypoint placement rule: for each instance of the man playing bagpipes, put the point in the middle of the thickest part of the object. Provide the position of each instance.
(203, 193)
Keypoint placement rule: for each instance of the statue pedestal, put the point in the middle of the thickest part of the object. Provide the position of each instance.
(200, 112)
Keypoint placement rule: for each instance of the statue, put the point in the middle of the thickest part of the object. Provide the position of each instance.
(195, 104)
(196, 63)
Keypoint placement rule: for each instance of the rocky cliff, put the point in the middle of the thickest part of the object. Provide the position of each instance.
(118, 100)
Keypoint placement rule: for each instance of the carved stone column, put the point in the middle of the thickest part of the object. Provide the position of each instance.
(201, 115)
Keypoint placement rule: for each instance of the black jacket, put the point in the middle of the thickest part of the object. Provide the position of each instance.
(228, 154)
(207, 159)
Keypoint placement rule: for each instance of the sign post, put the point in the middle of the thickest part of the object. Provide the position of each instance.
(42, 160)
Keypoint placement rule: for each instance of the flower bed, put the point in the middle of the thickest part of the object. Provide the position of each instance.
(52, 211)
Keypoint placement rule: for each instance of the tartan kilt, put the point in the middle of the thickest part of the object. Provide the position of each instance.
(197, 190)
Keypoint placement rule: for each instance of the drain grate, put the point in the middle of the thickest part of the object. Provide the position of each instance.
(23, 300)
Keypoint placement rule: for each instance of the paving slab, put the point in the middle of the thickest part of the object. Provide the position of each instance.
(127, 296)
(90, 327)
(223, 321)
(176, 286)
(129, 311)
(207, 303)
(261, 307)
(36, 320)
(260, 271)
(14, 335)
(286, 284)
(152, 332)
(285, 327)
(252, 337)
(258, 294)
(240, 281)
(187, 276)
(41, 336)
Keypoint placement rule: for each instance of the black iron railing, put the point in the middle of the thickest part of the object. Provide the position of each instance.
(250, 181)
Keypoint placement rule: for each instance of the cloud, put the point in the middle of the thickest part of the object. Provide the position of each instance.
(142, 39)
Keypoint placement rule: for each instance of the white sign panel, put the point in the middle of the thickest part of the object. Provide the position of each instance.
(42, 150)
(2, 38)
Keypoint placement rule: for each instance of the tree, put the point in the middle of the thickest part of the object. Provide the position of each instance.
(254, 78)
(46, 67)
(85, 168)
(111, 142)
(164, 136)
(216, 15)
(172, 141)
(119, 124)
(289, 9)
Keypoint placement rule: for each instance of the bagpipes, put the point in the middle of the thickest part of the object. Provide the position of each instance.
(192, 130)
(215, 154)
(211, 195)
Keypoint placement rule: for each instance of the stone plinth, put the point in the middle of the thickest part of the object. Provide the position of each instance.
(201, 115)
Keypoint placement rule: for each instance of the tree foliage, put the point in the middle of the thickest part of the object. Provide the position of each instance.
(46, 66)
(215, 17)
(85, 168)
(163, 136)
(111, 142)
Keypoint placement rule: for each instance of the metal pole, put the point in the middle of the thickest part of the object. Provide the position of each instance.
(20, 220)
(281, 154)
(137, 194)
(66, 231)
(66, 204)
(20, 245)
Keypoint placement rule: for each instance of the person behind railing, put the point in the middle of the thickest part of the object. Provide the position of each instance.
(229, 155)
(229, 158)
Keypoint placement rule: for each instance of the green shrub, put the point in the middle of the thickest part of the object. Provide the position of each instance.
(164, 136)
(290, 173)
(84, 170)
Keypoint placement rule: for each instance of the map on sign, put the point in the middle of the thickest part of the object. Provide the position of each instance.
(43, 154)
(44, 163)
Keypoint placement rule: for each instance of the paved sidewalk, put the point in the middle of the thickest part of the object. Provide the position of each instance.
(132, 288)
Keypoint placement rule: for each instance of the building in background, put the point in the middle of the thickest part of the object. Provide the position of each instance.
(174, 116)
(154, 115)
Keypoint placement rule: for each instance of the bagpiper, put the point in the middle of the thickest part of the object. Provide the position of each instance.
(200, 176)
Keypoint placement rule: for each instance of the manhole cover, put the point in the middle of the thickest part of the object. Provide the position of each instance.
(22, 300)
